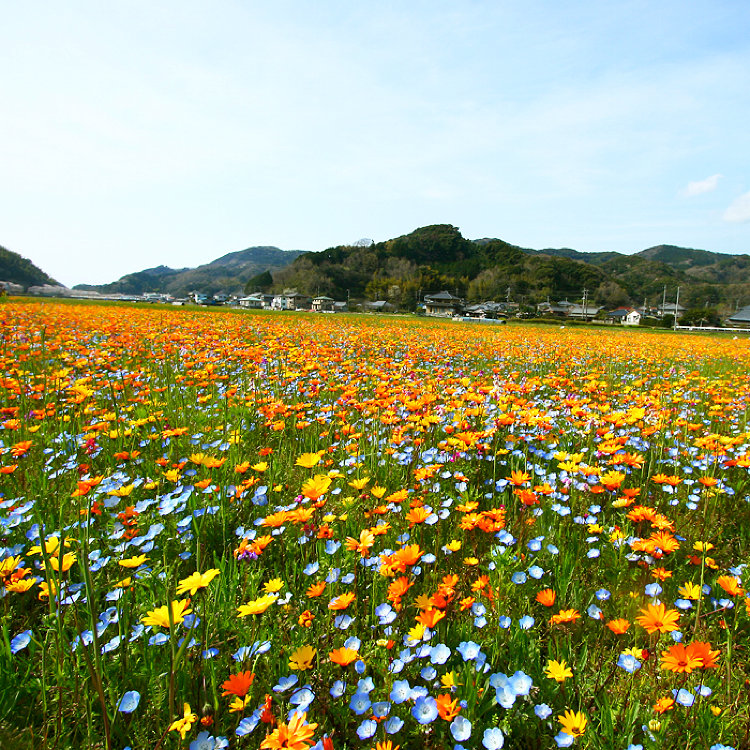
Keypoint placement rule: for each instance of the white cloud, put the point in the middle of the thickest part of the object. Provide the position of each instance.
(702, 186)
(739, 210)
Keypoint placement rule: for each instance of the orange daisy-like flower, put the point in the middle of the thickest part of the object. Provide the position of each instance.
(430, 617)
(546, 597)
(316, 589)
(517, 478)
(565, 615)
(704, 652)
(681, 659)
(663, 705)
(618, 627)
(295, 735)
(238, 684)
(342, 601)
(731, 585)
(343, 656)
(447, 708)
(656, 617)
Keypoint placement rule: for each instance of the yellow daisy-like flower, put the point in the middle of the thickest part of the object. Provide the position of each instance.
(273, 586)
(573, 723)
(359, 484)
(133, 562)
(453, 546)
(690, 590)
(558, 671)
(160, 616)
(308, 460)
(184, 724)
(302, 658)
(257, 606)
(197, 581)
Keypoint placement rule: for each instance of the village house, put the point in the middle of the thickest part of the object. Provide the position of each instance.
(626, 316)
(323, 304)
(443, 304)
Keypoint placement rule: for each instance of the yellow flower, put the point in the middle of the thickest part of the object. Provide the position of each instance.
(573, 723)
(703, 546)
(417, 632)
(302, 658)
(184, 724)
(239, 704)
(274, 585)
(690, 590)
(172, 475)
(360, 484)
(160, 615)
(449, 682)
(67, 562)
(453, 546)
(308, 460)
(133, 562)
(197, 581)
(257, 606)
(558, 671)
(378, 491)
(260, 467)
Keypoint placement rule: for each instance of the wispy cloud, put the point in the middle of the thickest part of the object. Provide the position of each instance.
(701, 186)
(739, 210)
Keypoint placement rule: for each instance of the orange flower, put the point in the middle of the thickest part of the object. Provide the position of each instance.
(656, 617)
(366, 540)
(306, 619)
(342, 601)
(430, 617)
(663, 705)
(517, 478)
(295, 735)
(731, 585)
(447, 709)
(680, 659)
(316, 589)
(703, 652)
(343, 656)
(564, 615)
(238, 684)
(618, 627)
(546, 597)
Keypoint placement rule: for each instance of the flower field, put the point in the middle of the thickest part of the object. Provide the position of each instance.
(289, 531)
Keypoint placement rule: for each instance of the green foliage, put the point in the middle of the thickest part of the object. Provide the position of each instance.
(259, 283)
(19, 270)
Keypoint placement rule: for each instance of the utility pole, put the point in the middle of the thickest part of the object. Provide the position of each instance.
(507, 295)
(585, 298)
(676, 305)
(664, 299)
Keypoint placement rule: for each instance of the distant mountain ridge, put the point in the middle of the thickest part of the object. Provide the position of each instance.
(229, 274)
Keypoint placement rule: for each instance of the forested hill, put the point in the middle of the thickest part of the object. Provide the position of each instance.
(19, 270)
(439, 257)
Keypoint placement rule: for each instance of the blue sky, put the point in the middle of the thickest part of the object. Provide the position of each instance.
(145, 133)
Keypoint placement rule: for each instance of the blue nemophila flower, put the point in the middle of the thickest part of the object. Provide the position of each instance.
(366, 685)
(359, 703)
(504, 622)
(493, 738)
(460, 728)
(20, 641)
(381, 709)
(311, 568)
(205, 741)
(536, 572)
(393, 725)
(248, 724)
(285, 683)
(703, 690)
(129, 702)
(542, 710)
(425, 709)
(440, 653)
(526, 622)
(468, 650)
(594, 612)
(428, 673)
(629, 663)
(684, 697)
(519, 578)
(563, 739)
(653, 589)
(337, 689)
(520, 683)
(302, 698)
(367, 729)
